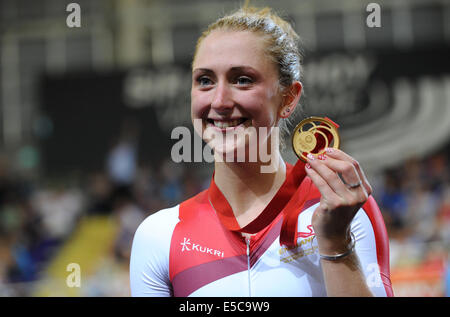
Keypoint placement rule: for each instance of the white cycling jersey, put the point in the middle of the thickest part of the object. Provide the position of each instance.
(187, 251)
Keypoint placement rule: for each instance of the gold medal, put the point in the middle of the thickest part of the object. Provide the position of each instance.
(313, 135)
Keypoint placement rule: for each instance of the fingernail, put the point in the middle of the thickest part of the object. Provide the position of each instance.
(329, 150)
(308, 166)
(310, 156)
(322, 157)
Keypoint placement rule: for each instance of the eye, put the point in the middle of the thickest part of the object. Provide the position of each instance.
(204, 81)
(244, 80)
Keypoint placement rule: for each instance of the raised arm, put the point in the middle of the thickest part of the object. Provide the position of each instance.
(344, 190)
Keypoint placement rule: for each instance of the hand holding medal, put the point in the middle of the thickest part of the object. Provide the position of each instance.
(338, 177)
(312, 136)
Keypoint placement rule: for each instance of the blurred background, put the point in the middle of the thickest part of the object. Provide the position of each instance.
(86, 115)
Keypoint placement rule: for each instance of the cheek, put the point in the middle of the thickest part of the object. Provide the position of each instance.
(263, 108)
(198, 104)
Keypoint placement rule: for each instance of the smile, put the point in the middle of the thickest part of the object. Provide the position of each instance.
(224, 124)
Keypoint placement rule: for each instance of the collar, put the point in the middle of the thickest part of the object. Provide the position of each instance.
(294, 177)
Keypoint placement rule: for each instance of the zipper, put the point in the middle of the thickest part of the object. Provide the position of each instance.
(247, 241)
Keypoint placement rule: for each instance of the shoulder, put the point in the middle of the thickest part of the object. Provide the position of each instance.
(149, 260)
(158, 225)
(151, 243)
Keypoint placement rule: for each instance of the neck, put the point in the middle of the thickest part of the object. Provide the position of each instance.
(247, 189)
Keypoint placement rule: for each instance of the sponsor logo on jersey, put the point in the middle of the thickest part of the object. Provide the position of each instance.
(187, 245)
(303, 248)
(308, 234)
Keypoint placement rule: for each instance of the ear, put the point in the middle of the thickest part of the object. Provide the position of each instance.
(290, 99)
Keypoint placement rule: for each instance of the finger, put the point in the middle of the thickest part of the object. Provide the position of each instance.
(329, 169)
(340, 155)
(327, 194)
(328, 173)
(345, 170)
(348, 175)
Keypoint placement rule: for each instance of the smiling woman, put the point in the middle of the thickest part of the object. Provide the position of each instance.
(230, 240)
(276, 41)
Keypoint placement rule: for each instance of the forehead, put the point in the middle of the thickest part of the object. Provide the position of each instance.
(233, 48)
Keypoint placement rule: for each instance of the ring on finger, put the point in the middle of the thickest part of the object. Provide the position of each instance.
(356, 185)
(350, 186)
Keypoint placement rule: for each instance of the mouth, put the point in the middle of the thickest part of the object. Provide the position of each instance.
(226, 124)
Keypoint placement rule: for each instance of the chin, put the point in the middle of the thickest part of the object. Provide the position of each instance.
(231, 152)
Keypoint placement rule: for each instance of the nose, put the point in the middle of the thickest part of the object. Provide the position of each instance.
(222, 99)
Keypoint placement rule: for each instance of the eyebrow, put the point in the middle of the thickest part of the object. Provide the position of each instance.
(233, 69)
(242, 68)
(203, 70)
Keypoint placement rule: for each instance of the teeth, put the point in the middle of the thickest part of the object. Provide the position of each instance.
(228, 124)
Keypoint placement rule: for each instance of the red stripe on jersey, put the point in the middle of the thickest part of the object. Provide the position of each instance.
(264, 239)
(381, 241)
(200, 275)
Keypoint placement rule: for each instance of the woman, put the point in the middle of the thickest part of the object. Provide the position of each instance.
(230, 240)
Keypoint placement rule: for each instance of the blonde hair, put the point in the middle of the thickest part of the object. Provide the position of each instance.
(282, 44)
